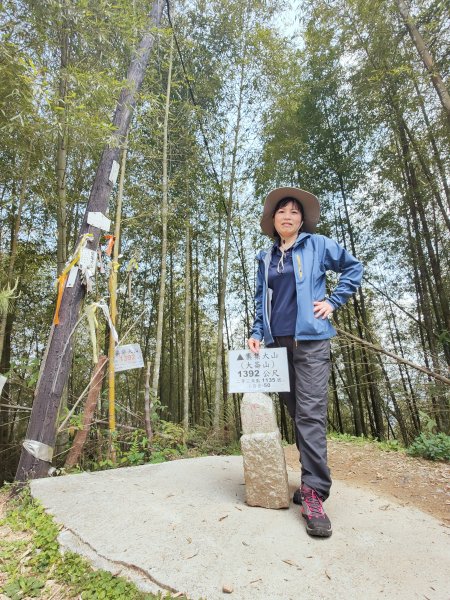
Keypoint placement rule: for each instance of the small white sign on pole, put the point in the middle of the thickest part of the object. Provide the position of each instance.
(72, 276)
(98, 219)
(114, 172)
(2, 382)
(264, 372)
(128, 357)
(88, 259)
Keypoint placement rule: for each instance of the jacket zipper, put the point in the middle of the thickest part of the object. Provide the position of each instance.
(299, 262)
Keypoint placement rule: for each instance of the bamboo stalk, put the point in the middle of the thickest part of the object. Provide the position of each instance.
(113, 307)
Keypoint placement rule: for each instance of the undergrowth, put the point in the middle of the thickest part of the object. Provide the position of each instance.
(169, 443)
(386, 446)
(433, 446)
(430, 444)
(31, 565)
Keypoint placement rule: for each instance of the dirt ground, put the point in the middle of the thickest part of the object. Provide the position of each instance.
(408, 481)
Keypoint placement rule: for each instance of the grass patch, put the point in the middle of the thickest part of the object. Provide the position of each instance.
(386, 446)
(31, 565)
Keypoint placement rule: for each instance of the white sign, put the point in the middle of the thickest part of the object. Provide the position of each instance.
(98, 219)
(128, 357)
(114, 172)
(88, 259)
(72, 277)
(264, 372)
(2, 382)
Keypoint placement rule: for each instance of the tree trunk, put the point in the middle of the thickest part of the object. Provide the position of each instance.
(148, 405)
(89, 409)
(113, 308)
(164, 216)
(436, 153)
(187, 327)
(15, 242)
(426, 57)
(56, 364)
(337, 408)
(350, 387)
(223, 278)
(61, 151)
(362, 319)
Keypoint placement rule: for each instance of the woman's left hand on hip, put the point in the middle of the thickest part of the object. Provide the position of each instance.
(322, 309)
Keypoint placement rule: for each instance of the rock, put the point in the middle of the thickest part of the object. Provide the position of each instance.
(258, 414)
(227, 589)
(266, 481)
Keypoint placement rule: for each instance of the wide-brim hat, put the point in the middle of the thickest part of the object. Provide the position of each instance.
(311, 208)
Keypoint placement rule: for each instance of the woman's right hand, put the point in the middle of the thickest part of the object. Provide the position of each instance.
(254, 345)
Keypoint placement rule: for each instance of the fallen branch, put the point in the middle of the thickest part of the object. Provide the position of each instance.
(396, 357)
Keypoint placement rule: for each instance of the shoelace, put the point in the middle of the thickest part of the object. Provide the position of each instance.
(314, 503)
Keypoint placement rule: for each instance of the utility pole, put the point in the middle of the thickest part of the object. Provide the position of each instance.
(38, 446)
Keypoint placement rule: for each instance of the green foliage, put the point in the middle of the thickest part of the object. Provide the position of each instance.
(346, 437)
(169, 443)
(323, 100)
(30, 563)
(6, 295)
(24, 586)
(433, 446)
(428, 423)
(386, 446)
(390, 446)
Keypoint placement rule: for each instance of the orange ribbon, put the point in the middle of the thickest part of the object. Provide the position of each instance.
(61, 284)
(110, 246)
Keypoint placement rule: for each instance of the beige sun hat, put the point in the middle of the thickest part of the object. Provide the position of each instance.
(310, 203)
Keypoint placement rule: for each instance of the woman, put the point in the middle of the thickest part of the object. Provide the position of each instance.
(291, 312)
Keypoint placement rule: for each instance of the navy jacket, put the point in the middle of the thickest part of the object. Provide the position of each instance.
(312, 256)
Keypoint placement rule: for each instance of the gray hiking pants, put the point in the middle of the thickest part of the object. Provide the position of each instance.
(309, 371)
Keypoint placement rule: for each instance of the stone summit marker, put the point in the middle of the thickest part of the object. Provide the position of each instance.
(266, 481)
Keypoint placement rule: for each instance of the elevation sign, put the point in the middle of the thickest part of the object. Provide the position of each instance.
(266, 371)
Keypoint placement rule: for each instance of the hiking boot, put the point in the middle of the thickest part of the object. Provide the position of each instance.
(317, 522)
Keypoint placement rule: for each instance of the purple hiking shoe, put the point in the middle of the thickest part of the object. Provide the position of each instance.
(317, 522)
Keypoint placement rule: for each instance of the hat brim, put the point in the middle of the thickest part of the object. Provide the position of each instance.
(310, 203)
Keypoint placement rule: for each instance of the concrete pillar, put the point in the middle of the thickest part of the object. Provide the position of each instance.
(266, 481)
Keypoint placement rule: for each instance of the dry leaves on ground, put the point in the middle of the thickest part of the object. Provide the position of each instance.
(408, 480)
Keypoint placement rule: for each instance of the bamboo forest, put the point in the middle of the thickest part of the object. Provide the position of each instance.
(171, 122)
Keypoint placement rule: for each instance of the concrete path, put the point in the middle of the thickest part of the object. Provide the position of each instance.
(183, 526)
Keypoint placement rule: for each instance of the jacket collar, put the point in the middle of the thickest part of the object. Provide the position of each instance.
(300, 239)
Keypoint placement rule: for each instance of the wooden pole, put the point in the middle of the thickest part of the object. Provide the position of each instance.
(37, 453)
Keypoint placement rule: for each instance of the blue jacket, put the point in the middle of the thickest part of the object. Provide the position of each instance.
(312, 256)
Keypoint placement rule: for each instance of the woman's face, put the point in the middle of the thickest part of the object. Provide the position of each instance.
(287, 220)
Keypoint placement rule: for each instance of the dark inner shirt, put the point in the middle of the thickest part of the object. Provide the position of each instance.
(284, 298)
